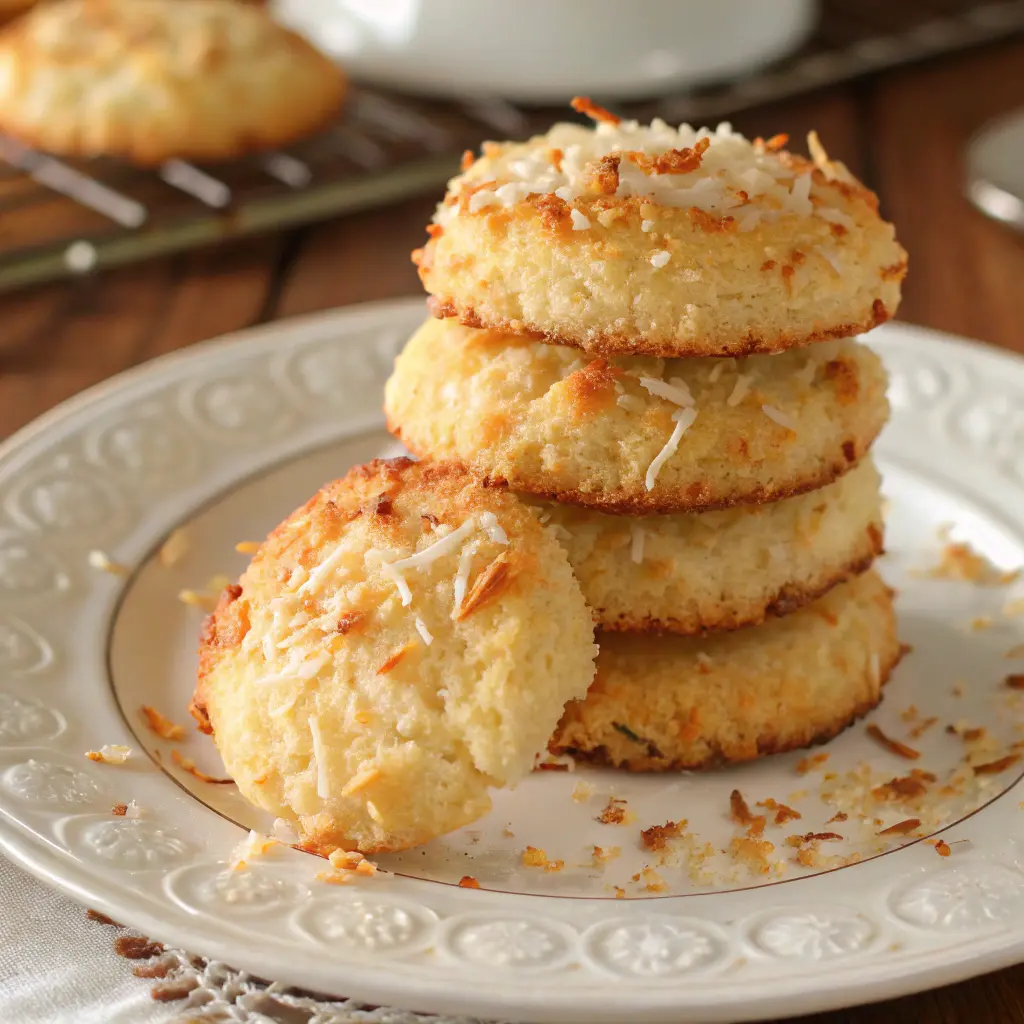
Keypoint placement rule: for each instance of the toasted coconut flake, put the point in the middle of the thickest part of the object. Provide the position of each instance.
(254, 845)
(532, 857)
(336, 877)
(186, 764)
(655, 837)
(893, 746)
(163, 727)
(901, 828)
(808, 764)
(995, 767)
(110, 753)
(102, 561)
(959, 561)
(585, 105)
(922, 727)
(491, 582)
(174, 549)
(198, 599)
(395, 657)
(599, 855)
(374, 812)
(615, 812)
(119, 810)
(360, 780)
(248, 547)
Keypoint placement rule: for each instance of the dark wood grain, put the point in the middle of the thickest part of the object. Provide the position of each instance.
(905, 133)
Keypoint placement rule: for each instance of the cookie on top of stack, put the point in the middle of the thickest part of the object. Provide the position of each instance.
(647, 333)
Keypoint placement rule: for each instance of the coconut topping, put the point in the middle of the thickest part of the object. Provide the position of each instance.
(684, 420)
(718, 172)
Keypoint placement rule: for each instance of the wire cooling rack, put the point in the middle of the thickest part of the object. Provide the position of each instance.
(62, 218)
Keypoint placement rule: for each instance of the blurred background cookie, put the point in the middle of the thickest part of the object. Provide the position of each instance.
(149, 80)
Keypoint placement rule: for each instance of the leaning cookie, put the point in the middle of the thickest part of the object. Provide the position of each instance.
(695, 573)
(400, 645)
(636, 434)
(649, 239)
(149, 80)
(662, 703)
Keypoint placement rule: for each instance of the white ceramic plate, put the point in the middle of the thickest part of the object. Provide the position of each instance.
(227, 438)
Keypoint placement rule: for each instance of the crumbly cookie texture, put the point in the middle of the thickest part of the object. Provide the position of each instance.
(662, 703)
(637, 238)
(634, 434)
(400, 645)
(693, 573)
(148, 80)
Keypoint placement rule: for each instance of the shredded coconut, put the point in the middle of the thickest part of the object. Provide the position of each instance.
(322, 571)
(636, 549)
(778, 416)
(831, 257)
(322, 789)
(490, 525)
(660, 258)
(716, 372)
(388, 569)
(448, 543)
(719, 172)
(631, 403)
(684, 419)
(579, 221)
(174, 549)
(675, 390)
(102, 561)
(110, 753)
(421, 628)
(462, 579)
(646, 225)
(740, 391)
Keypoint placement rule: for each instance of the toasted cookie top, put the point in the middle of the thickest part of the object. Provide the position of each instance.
(402, 643)
(645, 238)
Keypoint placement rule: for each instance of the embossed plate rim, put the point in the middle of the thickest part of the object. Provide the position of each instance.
(576, 988)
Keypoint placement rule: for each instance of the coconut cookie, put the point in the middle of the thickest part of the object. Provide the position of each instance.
(398, 646)
(148, 80)
(694, 573)
(661, 703)
(635, 238)
(635, 434)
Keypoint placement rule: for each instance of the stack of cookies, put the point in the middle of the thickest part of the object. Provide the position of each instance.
(647, 332)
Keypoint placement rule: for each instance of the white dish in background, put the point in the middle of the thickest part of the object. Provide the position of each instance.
(225, 439)
(539, 51)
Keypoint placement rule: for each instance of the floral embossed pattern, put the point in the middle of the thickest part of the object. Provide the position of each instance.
(973, 896)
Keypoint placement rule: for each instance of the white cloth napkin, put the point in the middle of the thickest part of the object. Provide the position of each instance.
(59, 967)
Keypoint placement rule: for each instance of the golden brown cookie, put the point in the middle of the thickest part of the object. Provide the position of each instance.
(636, 434)
(692, 573)
(662, 703)
(635, 238)
(400, 645)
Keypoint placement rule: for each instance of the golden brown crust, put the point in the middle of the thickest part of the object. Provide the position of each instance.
(611, 342)
(789, 599)
(670, 703)
(722, 757)
(663, 501)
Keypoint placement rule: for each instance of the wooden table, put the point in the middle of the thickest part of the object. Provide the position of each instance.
(904, 134)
